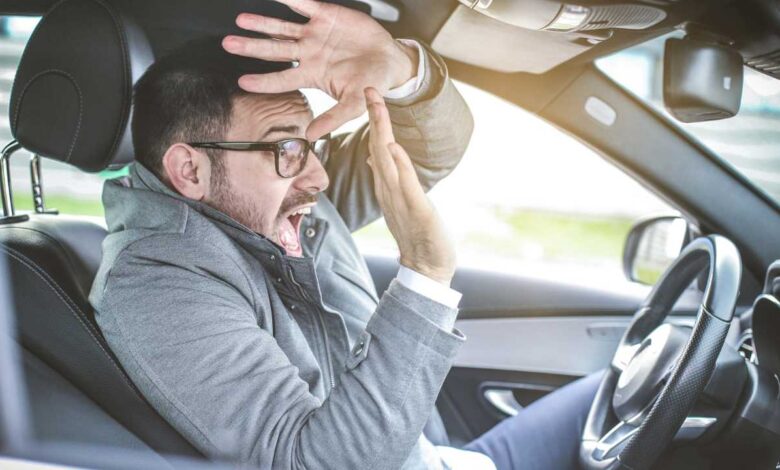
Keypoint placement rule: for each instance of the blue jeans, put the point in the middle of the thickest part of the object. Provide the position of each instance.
(546, 434)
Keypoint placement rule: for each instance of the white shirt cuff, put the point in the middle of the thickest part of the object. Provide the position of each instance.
(414, 83)
(427, 287)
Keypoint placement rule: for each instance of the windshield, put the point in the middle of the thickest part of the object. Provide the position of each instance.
(749, 142)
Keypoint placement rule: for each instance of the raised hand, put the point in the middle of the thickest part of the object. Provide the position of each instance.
(410, 216)
(340, 51)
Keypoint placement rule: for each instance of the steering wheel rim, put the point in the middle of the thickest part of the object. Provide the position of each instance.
(636, 442)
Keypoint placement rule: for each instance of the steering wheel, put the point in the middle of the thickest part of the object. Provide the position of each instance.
(659, 370)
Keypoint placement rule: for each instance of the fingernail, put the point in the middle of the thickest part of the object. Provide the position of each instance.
(231, 43)
(246, 82)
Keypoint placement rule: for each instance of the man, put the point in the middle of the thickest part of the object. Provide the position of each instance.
(230, 287)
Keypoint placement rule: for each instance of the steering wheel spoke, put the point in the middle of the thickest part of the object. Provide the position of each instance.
(623, 356)
(614, 440)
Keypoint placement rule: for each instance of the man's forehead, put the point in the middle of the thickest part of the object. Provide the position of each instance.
(286, 113)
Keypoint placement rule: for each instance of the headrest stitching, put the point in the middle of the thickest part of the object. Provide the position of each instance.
(128, 72)
(81, 104)
(126, 65)
(38, 27)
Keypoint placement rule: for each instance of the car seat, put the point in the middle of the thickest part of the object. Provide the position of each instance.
(71, 102)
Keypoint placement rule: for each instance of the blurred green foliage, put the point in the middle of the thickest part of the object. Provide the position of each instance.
(540, 235)
(568, 236)
(536, 234)
(648, 276)
(65, 204)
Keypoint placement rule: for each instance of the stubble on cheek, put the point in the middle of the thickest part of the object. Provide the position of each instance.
(240, 207)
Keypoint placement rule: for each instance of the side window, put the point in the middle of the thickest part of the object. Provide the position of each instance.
(65, 188)
(527, 198)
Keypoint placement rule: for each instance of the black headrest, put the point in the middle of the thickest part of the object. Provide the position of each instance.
(71, 99)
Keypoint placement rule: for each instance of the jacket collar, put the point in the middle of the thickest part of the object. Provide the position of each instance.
(141, 177)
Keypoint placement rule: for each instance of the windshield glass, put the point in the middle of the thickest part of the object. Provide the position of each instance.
(749, 142)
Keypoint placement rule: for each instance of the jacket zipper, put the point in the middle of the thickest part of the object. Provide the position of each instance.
(329, 379)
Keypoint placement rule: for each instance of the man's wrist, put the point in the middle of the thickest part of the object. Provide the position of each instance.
(407, 57)
(428, 287)
(442, 276)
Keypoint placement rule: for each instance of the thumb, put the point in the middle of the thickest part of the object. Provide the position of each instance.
(333, 118)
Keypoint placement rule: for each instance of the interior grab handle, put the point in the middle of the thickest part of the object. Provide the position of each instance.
(503, 400)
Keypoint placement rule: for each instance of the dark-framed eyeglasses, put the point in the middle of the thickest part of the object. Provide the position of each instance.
(290, 155)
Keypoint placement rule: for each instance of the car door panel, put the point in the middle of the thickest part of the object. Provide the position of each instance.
(572, 345)
(526, 337)
(491, 294)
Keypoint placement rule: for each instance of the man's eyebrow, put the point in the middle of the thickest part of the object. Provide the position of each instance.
(285, 129)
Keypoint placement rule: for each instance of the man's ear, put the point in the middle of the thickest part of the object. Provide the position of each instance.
(187, 171)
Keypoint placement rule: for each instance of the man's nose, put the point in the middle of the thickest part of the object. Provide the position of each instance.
(313, 178)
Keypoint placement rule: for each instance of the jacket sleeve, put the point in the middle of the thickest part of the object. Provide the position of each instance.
(193, 345)
(434, 126)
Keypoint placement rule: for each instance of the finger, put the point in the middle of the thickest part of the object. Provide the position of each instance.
(271, 26)
(382, 160)
(380, 132)
(381, 127)
(333, 118)
(407, 176)
(266, 49)
(277, 82)
(304, 7)
(378, 183)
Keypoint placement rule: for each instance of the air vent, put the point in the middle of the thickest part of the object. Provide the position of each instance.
(745, 348)
(766, 63)
(623, 17)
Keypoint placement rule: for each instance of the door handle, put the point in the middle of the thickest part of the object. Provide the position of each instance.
(503, 400)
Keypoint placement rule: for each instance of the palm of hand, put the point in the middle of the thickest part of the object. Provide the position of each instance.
(339, 51)
(341, 58)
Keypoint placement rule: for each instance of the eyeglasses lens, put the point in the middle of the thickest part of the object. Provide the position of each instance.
(291, 156)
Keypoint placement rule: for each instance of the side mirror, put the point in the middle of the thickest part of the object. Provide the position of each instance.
(652, 245)
(702, 80)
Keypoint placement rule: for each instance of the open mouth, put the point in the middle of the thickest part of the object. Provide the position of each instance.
(290, 231)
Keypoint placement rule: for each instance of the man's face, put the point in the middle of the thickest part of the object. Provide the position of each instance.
(247, 187)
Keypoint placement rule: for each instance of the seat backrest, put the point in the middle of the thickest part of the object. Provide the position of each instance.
(71, 101)
(51, 264)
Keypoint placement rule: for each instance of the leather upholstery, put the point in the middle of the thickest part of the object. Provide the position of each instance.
(71, 101)
(51, 277)
(72, 92)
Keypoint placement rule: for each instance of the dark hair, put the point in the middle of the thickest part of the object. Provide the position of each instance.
(188, 96)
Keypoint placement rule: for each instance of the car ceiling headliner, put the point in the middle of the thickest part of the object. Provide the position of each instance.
(170, 23)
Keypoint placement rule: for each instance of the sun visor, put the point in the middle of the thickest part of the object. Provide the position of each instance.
(501, 46)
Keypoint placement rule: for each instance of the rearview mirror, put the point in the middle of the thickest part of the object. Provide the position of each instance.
(702, 80)
(652, 245)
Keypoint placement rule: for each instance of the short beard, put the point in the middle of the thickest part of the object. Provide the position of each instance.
(227, 201)
(241, 209)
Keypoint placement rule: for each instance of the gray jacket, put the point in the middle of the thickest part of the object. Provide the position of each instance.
(277, 361)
